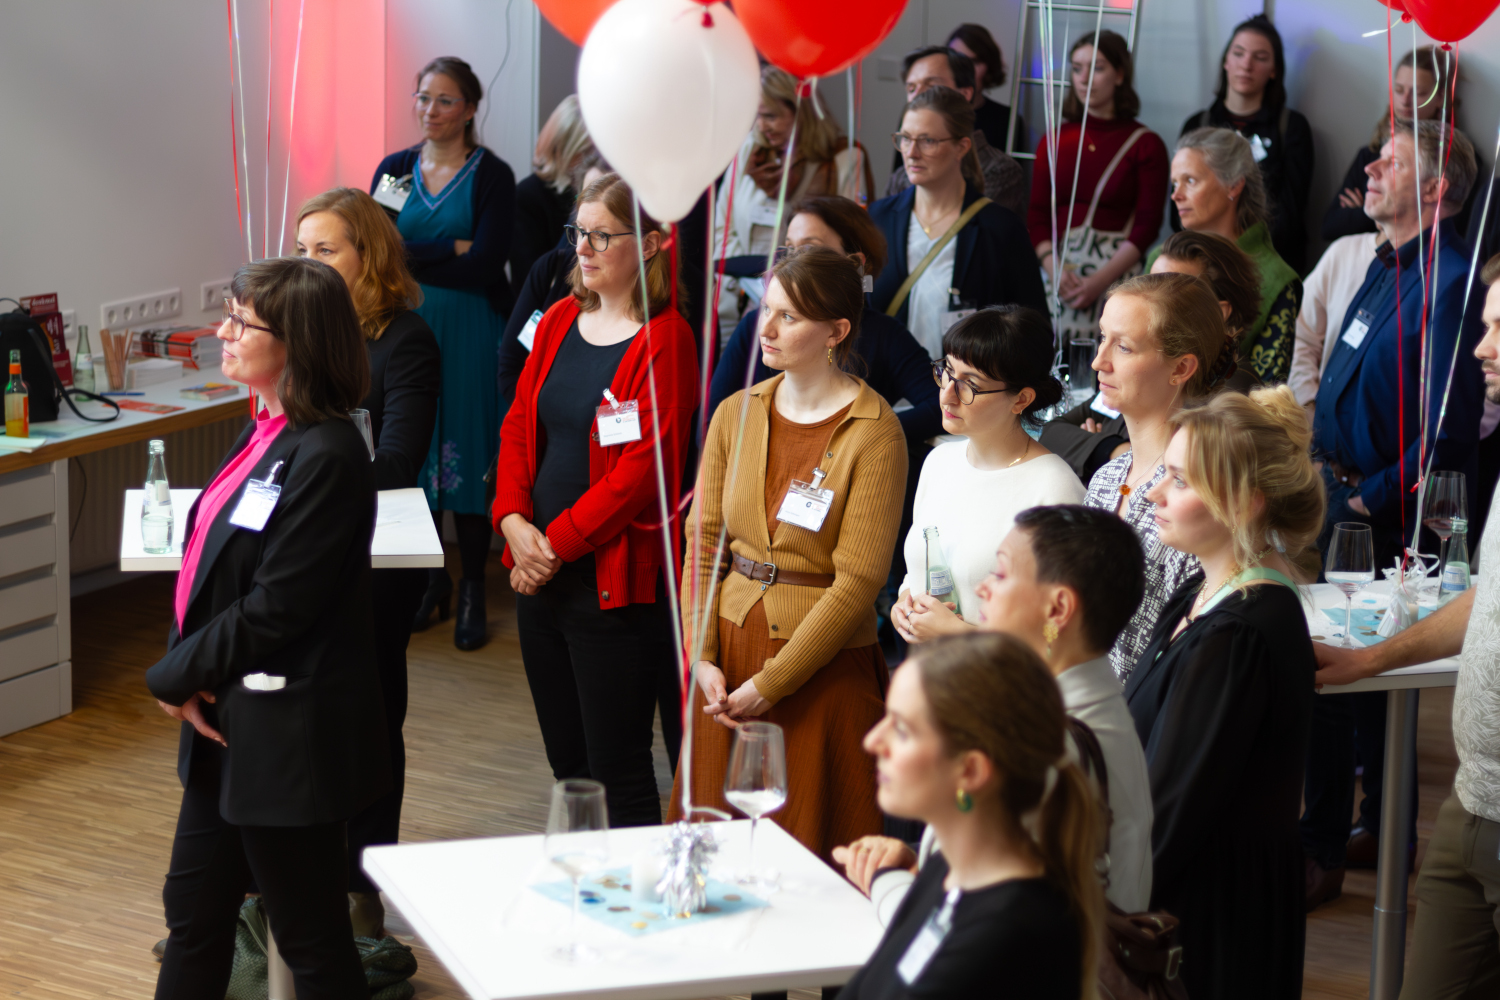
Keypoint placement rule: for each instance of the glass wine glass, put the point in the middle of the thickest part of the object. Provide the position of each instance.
(1350, 566)
(1443, 499)
(755, 781)
(576, 843)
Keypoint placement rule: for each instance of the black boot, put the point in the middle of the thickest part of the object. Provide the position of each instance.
(438, 598)
(469, 632)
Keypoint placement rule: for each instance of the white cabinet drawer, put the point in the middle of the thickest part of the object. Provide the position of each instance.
(27, 494)
(29, 549)
(28, 601)
(27, 651)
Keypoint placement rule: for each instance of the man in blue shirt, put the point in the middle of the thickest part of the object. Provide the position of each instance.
(1366, 434)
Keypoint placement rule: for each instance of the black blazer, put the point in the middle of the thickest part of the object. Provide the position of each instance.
(292, 600)
(993, 264)
(406, 378)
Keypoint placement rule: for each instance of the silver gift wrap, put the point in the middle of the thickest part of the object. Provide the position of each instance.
(686, 851)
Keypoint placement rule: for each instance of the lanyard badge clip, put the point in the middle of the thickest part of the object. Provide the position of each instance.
(617, 422)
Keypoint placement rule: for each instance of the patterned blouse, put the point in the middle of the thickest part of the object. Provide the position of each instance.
(1166, 568)
(1271, 352)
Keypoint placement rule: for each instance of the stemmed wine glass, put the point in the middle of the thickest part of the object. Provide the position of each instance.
(576, 843)
(1443, 499)
(1350, 566)
(755, 781)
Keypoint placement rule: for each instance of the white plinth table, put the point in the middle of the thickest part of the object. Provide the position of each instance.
(471, 902)
(1388, 945)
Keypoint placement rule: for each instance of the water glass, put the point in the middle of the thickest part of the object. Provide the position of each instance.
(576, 843)
(1443, 499)
(1080, 364)
(1350, 566)
(755, 781)
(361, 419)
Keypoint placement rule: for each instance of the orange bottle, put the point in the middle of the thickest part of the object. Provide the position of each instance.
(17, 401)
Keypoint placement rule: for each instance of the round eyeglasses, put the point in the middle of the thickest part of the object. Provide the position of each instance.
(598, 238)
(926, 143)
(237, 324)
(967, 391)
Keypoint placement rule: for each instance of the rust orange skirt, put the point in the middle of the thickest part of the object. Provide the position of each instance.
(830, 778)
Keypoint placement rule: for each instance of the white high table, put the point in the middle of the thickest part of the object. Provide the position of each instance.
(471, 902)
(1388, 944)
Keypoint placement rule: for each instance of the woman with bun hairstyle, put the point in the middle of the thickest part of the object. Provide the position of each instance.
(346, 229)
(1222, 697)
(581, 515)
(972, 743)
(788, 633)
(995, 376)
(1162, 344)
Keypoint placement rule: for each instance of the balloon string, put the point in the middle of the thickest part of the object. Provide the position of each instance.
(291, 118)
(1059, 261)
(265, 238)
(1390, 65)
(234, 150)
(239, 68)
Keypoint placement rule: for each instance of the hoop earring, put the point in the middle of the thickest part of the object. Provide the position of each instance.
(1049, 633)
(964, 801)
(830, 355)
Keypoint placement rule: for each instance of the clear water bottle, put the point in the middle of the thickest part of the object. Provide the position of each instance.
(940, 583)
(156, 504)
(83, 363)
(1456, 569)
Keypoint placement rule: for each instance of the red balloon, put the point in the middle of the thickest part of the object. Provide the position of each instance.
(574, 18)
(1450, 20)
(818, 37)
(1399, 7)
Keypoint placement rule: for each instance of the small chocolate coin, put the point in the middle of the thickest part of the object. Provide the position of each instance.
(732, 898)
(639, 925)
(618, 909)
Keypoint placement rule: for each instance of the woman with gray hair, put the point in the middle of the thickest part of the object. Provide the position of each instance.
(1217, 188)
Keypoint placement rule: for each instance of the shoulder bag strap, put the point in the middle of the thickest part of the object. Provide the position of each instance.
(1092, 755)
(1109, 171)
(39, 341)
(937, 248)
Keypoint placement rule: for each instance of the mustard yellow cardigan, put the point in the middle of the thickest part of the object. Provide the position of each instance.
(866, 466)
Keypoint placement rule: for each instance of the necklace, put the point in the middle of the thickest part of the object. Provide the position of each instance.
(927, 230)
(1024, 452)
(1204, 593)
(1127, 487)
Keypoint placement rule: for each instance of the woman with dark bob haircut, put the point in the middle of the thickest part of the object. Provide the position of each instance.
(270, 661)
(994, 377)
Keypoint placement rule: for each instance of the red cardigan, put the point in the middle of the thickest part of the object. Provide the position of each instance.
(619, 517)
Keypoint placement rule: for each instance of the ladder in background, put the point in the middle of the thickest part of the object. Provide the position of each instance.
(1069, 20)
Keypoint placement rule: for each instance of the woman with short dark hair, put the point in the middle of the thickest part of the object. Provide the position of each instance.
(270, 661)
(990, 117)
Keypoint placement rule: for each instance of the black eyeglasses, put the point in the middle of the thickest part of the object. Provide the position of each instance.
(238, 326)
(574, 235)
(967, 391)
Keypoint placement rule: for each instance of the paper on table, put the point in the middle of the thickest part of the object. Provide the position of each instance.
(397, 506)
(21, 443)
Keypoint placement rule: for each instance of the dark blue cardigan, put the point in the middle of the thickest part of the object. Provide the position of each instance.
(994, 263)
(897, 367)
(433, 262)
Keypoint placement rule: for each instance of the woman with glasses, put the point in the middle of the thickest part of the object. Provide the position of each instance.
(270, 662)
(576, 499)
(995, 375)
(951, 249)
(800, 485)
(456, 220)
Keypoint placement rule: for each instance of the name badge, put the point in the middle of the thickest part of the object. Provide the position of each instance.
(257, 502)
(919, 953)
(528, 332)
(1258, 148)
(947, 320)
(1358, 327)
(618, 423)
(392, 192)
(806, 504)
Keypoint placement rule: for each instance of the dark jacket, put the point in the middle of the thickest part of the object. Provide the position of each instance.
(433, 262)
(541, 213)
(292, 600)
(993, 264)
(1358, 422)
(896, 367)
(406, 378)
(1287, 170)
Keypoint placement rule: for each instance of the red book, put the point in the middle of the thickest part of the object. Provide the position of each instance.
(43, 309)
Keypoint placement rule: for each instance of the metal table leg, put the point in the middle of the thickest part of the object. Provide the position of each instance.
(279, 977)
(1388, 947)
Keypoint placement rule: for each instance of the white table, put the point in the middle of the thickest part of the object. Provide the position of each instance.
(1388, 946)
(471, 902)
(405, 536)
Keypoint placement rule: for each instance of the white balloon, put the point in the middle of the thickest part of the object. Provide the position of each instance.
(668, 89)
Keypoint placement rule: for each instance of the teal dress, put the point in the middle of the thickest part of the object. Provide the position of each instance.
(466, 436)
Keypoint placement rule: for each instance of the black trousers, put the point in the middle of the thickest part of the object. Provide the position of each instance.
(397, 595)
(301, 874)
(594, 677)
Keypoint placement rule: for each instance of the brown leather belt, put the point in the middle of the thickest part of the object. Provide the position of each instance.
(1348, 477)
(769, 573)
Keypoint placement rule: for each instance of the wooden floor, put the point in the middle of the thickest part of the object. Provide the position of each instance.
(88, 802)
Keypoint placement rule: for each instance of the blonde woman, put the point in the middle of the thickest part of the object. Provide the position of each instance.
(1223, 696)
(544, 198)
(823, 161)
(347, 230)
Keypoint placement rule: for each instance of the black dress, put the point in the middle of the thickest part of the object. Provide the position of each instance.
(1016, 939)
(541, 213)
(1224, 715)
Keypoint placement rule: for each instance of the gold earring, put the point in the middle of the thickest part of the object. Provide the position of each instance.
(1049, 632)
(963, 800)
(830, 355)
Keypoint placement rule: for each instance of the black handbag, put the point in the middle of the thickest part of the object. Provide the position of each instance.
(20, 332)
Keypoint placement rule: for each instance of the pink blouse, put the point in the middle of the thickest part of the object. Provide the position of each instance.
(225, 485)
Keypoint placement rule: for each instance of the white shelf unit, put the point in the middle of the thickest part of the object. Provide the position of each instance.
(36, 653)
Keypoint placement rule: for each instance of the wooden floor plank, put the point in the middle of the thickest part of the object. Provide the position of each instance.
(88, 802)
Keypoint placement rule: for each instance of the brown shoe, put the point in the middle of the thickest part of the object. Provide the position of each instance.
(1323, 885)
(159, 949)
(1363, 850)
(367, 914)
